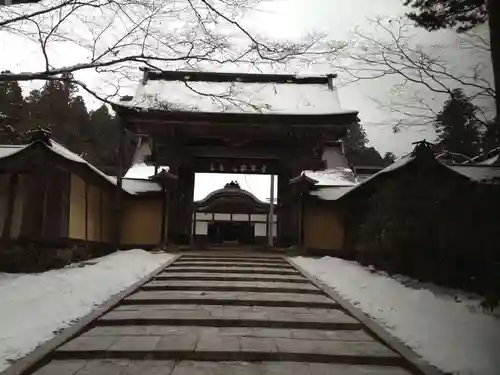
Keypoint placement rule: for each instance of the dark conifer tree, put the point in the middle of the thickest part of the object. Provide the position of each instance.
(457, 126)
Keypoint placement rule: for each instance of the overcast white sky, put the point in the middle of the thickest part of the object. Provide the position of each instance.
(290, 19)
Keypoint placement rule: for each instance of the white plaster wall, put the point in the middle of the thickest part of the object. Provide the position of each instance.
(260, 230)
(222, 217)
(203, 216)
(258, 217)
(241, 217)
(201, 228)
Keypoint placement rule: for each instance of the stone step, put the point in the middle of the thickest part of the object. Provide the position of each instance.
(163, 367)
(222, 270)
(354, 335)
(212, 346)
(235, 283)
(230, 316)
(232, 256)
(229, 298)
(298, 279)
(228, 286)
(231, 264)
(233, 259)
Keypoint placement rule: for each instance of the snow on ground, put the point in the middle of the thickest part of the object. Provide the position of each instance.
(449, 331)
(34, 306)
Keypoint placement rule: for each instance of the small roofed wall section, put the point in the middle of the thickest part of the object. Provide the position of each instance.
(141, 224)
(90, 211)
(323, 227)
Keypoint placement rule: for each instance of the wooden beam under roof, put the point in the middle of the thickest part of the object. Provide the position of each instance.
(194, 76)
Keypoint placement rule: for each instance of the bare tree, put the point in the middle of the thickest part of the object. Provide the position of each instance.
(117, 36)
(421, 73)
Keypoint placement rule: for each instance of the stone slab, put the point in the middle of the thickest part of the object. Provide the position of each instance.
(179, 341)
(163, 367)
(203, 340)
(230, 277)
(85, 343)
(231, 255)
(253, 332)
(230, 286)
(224, 316)
(106, 367)
(223, 298)
(68, 367)
(210, 341)
(281, 265)
(232, 259)
(215, 269)
(223, 283)
(243, 308)
(330, 347)
(280, 368)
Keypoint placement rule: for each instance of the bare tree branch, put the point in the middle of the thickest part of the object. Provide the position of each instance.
(117, 36)
(392, 51)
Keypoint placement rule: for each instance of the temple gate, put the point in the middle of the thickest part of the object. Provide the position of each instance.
(234, 123)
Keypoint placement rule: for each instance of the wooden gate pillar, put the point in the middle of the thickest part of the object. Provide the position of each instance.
(287, 212)
(180, 210)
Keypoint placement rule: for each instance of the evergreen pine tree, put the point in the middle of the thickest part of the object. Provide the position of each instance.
(457, 127)
(355, 148)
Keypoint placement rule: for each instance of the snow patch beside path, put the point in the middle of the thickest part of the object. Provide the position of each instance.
(456, 337)
(34, 306)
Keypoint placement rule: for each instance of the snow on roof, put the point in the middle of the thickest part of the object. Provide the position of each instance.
(232, 190)
(142, 171)
(130, 187)
(477, 172)
(7, 150)
(237, 96)
(491, 161)
(394, 166)
(334, 157)
(331, 193)
(67, 154)
(137, 186)
(333, 177)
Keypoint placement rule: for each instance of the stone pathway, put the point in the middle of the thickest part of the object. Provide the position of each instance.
(226, 314)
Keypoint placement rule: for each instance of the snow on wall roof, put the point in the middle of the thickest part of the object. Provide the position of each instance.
(137, 186)
(334, 157)
(7, 150)
(491, 161)
(130, 187)
(331, 193)
(67, 154)
(477, 172)
(333, 177)
(229, 190)
(142, 171)
(237, 96)
(334, 195)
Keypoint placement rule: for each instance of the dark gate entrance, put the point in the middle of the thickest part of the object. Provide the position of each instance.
(224, 232)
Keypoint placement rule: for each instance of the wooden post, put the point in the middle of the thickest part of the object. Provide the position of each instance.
(271, 215)
(86, 212)
(164, 218)
(301, 221)
(118, 189)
